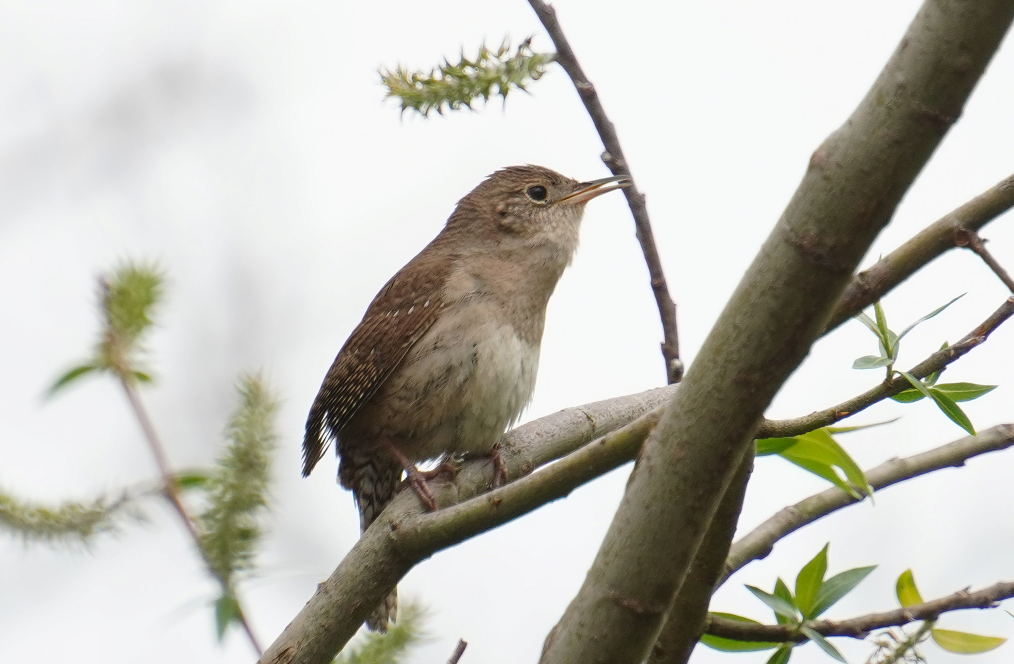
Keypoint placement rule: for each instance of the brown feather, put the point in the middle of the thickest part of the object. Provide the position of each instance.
(399, 315)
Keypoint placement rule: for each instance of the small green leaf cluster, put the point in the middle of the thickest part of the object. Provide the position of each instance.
(819, 453)
(391, 646)
(951, 641)
(67, 522)
(456, 86)
(813, 596)
(237, 493)
(127, 299)
(944, 395)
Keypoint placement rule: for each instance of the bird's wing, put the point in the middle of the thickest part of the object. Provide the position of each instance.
(400, 314)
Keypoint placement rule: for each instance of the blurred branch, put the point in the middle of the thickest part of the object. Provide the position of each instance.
(759, 542)
(969, 238)
(617, 164)
(871, 285)
(64, 522)
(935, 362)
(861, 626)
(459, 650)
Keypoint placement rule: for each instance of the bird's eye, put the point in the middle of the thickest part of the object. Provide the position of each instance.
(537, 193)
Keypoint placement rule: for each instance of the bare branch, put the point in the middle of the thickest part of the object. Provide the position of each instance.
(932, 364)
(968, 238)
(375, 564)
(459, 650)
(870, 285)
(759, 542)
(617, 163)
(860, 627)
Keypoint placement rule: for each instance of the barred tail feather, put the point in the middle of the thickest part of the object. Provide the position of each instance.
(373, 479)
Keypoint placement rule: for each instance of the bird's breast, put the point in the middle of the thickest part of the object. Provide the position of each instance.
(460, 386)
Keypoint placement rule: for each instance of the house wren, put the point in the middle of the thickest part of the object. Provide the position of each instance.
(445, 358)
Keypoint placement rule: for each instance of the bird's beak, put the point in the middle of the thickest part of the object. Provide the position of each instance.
(589, 190)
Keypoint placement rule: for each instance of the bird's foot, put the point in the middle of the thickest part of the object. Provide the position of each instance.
(446, 469)
(417, 479)
(499, 467)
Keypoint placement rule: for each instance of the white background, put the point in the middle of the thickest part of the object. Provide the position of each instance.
(245, 146)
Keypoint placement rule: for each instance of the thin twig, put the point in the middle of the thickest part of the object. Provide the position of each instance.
(932, 364)
(965, 237)
(760, 541)
(870, 285)
(617, 163)
(169, 489)
(459, 650)
(860, 627)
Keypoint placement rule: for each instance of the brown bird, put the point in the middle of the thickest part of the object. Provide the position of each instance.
(445, 358)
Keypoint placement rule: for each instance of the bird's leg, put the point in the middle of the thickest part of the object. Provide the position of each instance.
(499, 467)
(415, 478)
(446, 467)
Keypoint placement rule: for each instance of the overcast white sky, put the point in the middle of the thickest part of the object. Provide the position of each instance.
(245, 145)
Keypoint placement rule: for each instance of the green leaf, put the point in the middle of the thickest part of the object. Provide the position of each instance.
(929, 315)
(870, 323)
(943, 402)
(878, 311)
(71, 376)
(767, 446)
(780, 606)
(909, 396)
(142, 377)
(965, 643)
(871, 362)
(226, 612)
(908, 594)
(837, 587)
(782, 591)
(818, 446)
(952, 410)
(732, 645)
(963, 391)
(809, 580)
(824, 644)
(859, 427)
(192, 479)
(781, 655)
(825, 471)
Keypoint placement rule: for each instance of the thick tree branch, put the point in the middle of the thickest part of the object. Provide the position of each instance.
(759, 542)
(382, 557)
(853, 184)
(935, 362)
(860, 627)
(969, 238)
(688, 616)
(870, 285)
(617, 163)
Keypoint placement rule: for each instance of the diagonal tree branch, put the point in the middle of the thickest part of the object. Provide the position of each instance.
(861, 626)
(617, 163)
(870, 285)
(759, 542)
(968, 238)
(935, 362)
(376, 563)
(853, 184)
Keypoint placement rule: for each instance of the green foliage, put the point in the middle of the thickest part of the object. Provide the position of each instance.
(127, 299)
(814, 595)
(237, 489)
(67, 522)
(456, 86)
(819, 453)
(951, 641)
(945, 395)
(389, 647)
